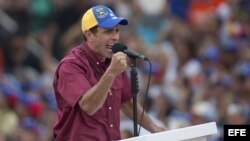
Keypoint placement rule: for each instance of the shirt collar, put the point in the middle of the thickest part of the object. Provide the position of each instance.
(97, 60)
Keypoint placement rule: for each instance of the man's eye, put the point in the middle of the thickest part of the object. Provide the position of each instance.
(108, 31)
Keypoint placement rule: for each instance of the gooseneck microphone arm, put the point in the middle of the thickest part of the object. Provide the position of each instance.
(118, 47)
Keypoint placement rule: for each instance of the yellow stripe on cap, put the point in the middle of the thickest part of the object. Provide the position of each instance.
(88, 20)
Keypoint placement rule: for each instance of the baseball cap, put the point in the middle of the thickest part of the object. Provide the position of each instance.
(101, 16)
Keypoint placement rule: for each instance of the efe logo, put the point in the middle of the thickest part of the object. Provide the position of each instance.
(236, 132)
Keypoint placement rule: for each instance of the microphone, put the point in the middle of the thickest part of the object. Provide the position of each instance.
(118, 47)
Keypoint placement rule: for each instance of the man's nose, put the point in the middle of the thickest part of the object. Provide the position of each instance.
(115, 36)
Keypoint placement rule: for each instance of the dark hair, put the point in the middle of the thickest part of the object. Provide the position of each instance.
(93, 30)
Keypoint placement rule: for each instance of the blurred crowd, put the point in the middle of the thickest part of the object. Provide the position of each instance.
(199, 51)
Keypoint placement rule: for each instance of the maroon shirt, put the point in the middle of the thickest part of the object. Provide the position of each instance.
(75, 76)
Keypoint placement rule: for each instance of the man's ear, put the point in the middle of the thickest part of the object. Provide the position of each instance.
(89, 35)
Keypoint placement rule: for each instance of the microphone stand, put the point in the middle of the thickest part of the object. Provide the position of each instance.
(134, 91)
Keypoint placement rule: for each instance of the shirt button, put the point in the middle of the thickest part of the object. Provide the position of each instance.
(110, 108)
(97, 63)
(111, 125)
(110, 94)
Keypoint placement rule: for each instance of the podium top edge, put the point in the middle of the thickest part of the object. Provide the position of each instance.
(185, 133)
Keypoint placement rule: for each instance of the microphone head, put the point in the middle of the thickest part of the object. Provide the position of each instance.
(118, 47)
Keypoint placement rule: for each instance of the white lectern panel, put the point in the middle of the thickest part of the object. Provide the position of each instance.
(191, 133)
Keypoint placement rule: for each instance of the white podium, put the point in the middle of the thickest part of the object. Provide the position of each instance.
(192, 133)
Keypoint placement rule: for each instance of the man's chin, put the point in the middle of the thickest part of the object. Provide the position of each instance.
(109, 55)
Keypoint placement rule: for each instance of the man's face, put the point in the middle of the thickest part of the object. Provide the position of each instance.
(103, 40)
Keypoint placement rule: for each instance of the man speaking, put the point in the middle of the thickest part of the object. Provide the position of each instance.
(91, 85)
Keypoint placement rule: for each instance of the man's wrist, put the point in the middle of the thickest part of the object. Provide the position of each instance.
(158, 129)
